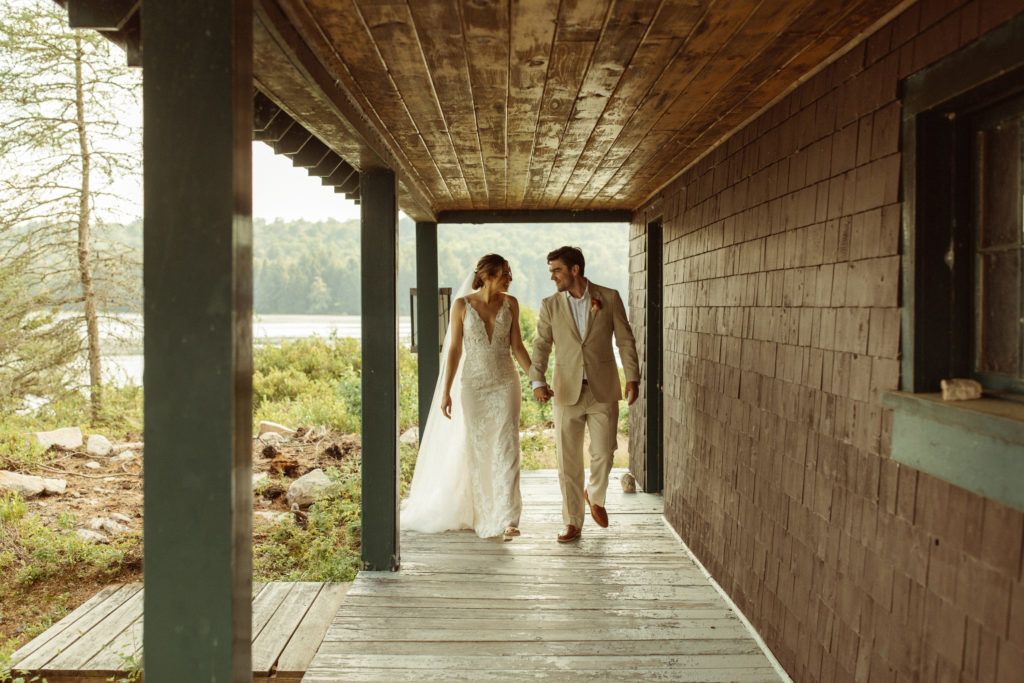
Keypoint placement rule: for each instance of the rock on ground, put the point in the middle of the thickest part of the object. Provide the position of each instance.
(273, 427)
(25, 485)
(67, 438)
(304, 490)
(98, 445)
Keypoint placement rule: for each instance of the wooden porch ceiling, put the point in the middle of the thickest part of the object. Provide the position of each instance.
(538, 104)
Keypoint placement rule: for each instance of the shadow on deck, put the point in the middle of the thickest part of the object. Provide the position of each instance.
(622, 603)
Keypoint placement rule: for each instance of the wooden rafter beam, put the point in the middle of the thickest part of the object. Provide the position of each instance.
(379, 150)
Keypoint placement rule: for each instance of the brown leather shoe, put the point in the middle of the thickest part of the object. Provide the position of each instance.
(571, 533)
(599, 514)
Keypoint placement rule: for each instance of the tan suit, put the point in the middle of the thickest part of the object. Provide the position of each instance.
(593, 405)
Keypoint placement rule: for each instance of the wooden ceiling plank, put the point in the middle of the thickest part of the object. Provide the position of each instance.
(577, 31)
(568, 67)
(640, 74)
(532, 32)
(345, 48)
(715, 28)
(626, 26)
(438, 25)
(669, 31)
(486, 30)
(760, 29)
(394, 33)
(819, 48)
(581, 20)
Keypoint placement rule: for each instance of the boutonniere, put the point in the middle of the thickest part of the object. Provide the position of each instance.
(595, 305)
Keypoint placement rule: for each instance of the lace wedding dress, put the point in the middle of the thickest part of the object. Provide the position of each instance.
(467, 471)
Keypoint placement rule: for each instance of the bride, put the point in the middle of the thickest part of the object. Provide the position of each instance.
(467, 471)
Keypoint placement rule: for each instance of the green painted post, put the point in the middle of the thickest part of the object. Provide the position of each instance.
(198, 340)
(379, 247)
(427, 316)
(654, 456)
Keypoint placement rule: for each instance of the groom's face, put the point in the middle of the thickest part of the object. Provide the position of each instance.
(561, 275)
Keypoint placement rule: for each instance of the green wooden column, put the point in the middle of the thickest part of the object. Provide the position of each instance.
(379, 247)
(198, 339)
(427, 316)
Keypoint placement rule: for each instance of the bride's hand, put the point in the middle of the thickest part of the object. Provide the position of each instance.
(446, 406)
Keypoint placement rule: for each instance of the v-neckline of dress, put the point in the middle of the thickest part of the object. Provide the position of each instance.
(490, 337)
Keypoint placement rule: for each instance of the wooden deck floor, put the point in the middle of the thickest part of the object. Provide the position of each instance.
(623, 603)
(99, 640)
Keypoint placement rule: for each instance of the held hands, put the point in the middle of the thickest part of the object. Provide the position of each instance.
(543, 394)
(632, 392)
(446, 405)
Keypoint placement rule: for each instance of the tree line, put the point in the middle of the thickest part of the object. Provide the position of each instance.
(314, 267)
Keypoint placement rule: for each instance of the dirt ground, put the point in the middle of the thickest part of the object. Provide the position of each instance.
(113, 484)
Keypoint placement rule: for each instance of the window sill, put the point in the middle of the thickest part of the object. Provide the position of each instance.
(977, 445)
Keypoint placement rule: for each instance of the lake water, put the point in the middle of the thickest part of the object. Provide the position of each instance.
(122, 368)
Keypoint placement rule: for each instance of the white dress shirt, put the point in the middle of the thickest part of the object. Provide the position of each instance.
(580, 309)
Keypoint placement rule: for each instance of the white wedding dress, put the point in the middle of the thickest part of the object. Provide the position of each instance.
(467, 471)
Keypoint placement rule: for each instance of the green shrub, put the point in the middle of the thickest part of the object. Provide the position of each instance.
(12, 507)
(18, 447)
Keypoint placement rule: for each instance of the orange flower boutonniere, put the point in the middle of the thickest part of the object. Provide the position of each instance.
(595, 305)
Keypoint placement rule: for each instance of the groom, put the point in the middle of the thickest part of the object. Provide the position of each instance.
(580, 320)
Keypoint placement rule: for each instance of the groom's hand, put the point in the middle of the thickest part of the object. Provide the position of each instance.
(632, 392)
(543, 394)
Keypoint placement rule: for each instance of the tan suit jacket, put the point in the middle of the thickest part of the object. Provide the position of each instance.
(555, 325)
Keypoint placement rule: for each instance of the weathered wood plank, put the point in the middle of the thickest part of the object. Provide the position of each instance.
(43, 639)
(396, 40)
(541, 605)
(299, 651)
(624, 29)
(505, 614)
(499, 673)
(586, 647)
(266, 603)
(532, 30)
(469, 661)
(270, 643)
(486, 30)
(76, 629)
(73, 657)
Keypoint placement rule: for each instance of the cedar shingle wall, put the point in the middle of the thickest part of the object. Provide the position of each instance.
(782, 326)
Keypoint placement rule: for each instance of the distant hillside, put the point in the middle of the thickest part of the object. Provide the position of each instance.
(313, 268)
(302, 267)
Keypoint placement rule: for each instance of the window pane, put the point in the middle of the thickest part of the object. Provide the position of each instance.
(999, 315)
(1000, 217)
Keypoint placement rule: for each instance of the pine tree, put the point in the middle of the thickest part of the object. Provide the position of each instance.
(67, 101)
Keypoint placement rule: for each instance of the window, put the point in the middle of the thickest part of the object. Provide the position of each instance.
(963, 283)
(963, 290)
(996, 222)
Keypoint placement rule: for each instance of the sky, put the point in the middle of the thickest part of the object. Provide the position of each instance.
(280, 190)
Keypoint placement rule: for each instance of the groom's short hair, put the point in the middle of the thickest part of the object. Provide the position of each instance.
(570, 256)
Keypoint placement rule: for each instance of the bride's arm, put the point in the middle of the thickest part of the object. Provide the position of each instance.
(454, 355)
(518, 347)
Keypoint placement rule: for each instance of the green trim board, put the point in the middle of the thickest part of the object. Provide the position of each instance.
(977, 445)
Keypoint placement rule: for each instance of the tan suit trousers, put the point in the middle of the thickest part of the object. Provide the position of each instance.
(601, 419)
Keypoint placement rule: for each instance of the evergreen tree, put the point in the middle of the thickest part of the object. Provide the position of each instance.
(65, 97)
